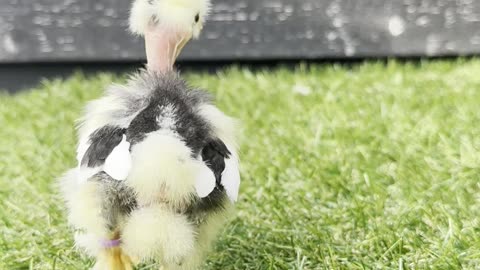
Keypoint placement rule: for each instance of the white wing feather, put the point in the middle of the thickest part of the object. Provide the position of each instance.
(119, 162)
(231, 177)
(205, 182)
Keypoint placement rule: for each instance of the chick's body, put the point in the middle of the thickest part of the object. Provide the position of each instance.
(179, 143)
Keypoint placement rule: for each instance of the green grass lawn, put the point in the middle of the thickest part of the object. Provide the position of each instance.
(375, 166)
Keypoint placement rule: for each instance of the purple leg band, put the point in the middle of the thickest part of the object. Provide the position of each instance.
(111, 243)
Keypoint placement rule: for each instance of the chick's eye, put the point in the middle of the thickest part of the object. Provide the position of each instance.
(197, 18)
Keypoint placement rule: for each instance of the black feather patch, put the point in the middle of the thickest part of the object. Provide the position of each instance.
(143, 124)
(214, 155)
(102, 143)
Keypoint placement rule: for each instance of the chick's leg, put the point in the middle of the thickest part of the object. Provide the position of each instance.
(117, 202)
(155, 232)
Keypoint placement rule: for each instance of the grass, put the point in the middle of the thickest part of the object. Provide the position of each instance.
(376, 166)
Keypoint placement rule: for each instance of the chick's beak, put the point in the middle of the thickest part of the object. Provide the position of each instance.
(163, 47)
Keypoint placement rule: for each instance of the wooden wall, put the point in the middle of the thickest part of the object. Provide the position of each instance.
(95, 30)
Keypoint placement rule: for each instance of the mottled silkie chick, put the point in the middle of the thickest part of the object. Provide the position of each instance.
(157, 175)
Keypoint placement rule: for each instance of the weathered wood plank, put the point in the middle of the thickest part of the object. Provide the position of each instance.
(95, 30)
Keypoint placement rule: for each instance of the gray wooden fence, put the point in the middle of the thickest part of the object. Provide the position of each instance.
(84, 31)
(95, 30)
